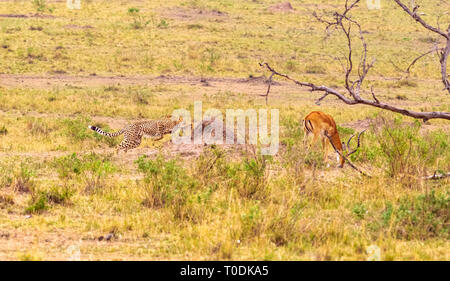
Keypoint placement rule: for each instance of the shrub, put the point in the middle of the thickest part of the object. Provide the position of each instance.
(77, 129)
(92, 169)
(249, 176)
(251, 222)
(408, 155)
(6, 200)
(315, 69)
(68, 166)
(167, 184)
(38, 128)
(6, 174)
(314, 158)
(282, 226)
(37, 204)
(359, 210)
(211, 167)
(41, 200)
(23, 177)
(292, 131)
(39, 5)
(138, 20)
(3, 130)
(421, 217)
(60, 194)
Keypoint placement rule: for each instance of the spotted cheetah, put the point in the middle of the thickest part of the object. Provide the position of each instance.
(133, 133)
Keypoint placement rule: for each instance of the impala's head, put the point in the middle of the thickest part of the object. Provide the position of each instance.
(339, 158)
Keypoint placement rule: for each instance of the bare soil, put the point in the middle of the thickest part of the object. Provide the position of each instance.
(189, 14)
(281, 7)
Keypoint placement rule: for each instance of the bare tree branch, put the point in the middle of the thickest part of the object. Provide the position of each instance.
(415, 16)
(269, 81)
(373, 95)
(330, 91)
(344, 22)
(419, 57)
(345, 156)
(445, 52)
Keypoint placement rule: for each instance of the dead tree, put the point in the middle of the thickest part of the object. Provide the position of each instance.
(343, 21)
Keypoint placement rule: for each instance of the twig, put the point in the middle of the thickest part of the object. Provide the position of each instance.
(437, 176)
(330, 91)
(269, 81)
(348, 161)
(446, 34)
(343, 22)
(419, 57)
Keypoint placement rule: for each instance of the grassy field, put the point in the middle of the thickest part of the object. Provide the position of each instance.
(65, 194)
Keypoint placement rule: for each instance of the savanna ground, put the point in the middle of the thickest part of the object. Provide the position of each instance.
(64, 192)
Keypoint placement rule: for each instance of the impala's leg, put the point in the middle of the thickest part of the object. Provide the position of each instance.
(305, 140)
(314, 139)
(325, 148)
(307, 136)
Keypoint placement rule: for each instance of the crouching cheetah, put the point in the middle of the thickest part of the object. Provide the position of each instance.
(133, 133)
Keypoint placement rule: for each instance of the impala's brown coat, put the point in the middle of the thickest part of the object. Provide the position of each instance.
(322, 124)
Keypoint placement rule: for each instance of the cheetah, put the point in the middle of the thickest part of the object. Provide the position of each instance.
(133, 133)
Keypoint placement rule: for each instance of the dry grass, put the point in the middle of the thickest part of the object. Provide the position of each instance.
(210, 203)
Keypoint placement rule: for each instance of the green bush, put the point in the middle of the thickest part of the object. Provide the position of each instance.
(407, 153)
(42, 200)
(138, 20)
(92, 169)
(37, 204)
(359, 210)
(251, 222)
(60, 194)
(249, 176)
(421, 217)
(23, 176)
(166, 184)
(39, 5)
(77, 130)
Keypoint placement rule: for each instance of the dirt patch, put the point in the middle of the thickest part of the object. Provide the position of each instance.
(74, 26)
(42, 16)
(359, 125)
(253, 86)
(179, 13)
(281, 7)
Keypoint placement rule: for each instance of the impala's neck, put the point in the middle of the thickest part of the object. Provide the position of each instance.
(337, 143)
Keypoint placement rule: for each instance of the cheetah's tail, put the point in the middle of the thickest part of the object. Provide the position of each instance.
(101, 132)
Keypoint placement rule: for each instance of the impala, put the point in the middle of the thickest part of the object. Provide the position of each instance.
(322, 125)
